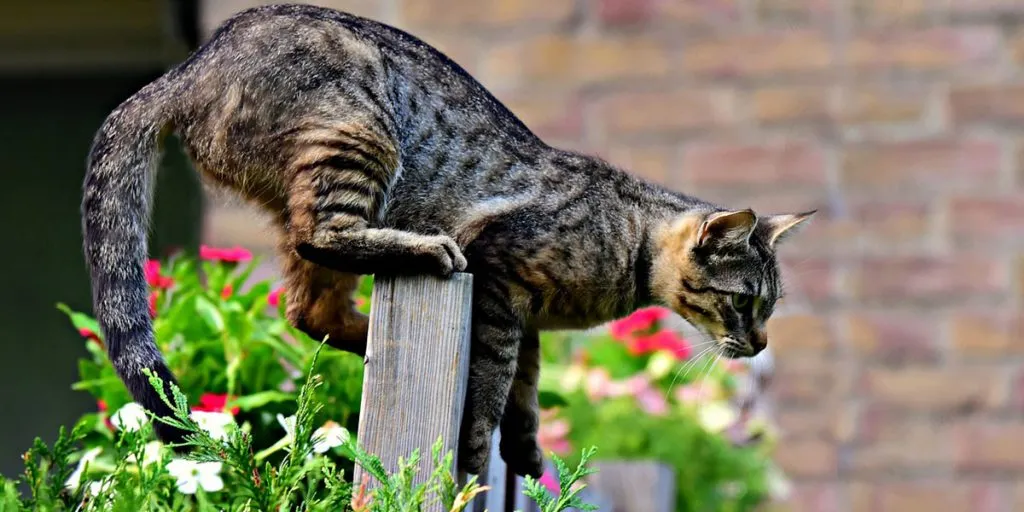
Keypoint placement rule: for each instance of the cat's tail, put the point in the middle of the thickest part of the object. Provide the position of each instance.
(116, 207)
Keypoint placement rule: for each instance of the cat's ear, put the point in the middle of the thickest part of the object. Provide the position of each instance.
(728, 228)
(781, 227)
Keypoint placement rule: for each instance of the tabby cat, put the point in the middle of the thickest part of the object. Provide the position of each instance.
(375, 153)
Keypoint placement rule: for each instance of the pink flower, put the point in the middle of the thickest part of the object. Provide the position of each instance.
(214, 402)
(552, 432)
(652, 401)
(227, 291)
(360, 302)
(274, 297)
(153, 277)
(547, 479)
(153, 296)
(228, 255)
(598, 383)
(692, 393)
(641, 320)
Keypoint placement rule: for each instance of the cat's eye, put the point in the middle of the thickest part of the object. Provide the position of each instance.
(741, 301)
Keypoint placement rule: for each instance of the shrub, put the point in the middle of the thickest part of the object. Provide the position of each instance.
(271, 413)
(640, 392)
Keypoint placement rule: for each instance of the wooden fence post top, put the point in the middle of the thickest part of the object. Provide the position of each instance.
(417, 366)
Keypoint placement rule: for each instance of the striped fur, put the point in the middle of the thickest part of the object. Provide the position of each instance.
(377, 154)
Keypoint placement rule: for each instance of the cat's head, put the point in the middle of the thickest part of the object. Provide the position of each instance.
(718, 270)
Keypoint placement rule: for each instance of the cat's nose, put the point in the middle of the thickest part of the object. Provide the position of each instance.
(758, 341)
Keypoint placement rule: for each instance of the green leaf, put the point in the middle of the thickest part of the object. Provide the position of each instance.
(208, 311)
(80, 320)
(551, 399)
(258, 400)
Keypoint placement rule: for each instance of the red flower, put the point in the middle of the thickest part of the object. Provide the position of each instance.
(153, 296)
(102, 406)
(661, 340)
(214, 402)
(89, 335)
(153, 277)
(227, 291)
(228, 255)
(274, 297)
(641, 320)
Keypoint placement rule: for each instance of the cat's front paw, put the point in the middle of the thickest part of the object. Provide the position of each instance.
(524, 457)
(445, 256)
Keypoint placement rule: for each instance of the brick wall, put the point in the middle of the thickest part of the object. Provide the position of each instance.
(899, 382)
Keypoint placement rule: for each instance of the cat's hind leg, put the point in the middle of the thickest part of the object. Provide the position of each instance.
(318, 302)
(521, 419)
(339, 183)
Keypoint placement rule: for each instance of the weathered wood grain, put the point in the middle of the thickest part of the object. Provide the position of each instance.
(634, 486)
(417, 362)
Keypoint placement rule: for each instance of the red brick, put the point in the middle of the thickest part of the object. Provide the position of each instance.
(914, 496)
(813, 496)
(991, 103)
(562, 59)
(990, 447)
(462, 14)
(988, 222)
(766, 53)
(792, 11)
(883, 103)
(653, 163)
(717, 13)
(549, 115)
(662, 112)
(892, 443)
(945, 390)
(890, 11)
(817, 422)
(921, 166)
(624, 12)
(799, 333)
(934, 49)
(803, 379)
(791, 162)
(892, 224)
(1016, 46)
(985, 8)
(790, 104)
(988, 334)
(927, 280)
(894, 337)
(808, 458)
(809, 281)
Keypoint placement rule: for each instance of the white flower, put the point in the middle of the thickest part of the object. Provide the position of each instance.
(130, 417)
(660, 364)
(76, 476)
(288, 424)
(716, 416)
(192, 476)
(329, 436)
(214, 423)
(150, 453)
(778, 486)
(100, 487)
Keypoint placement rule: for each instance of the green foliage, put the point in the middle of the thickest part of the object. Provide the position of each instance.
(642, 392)
(135, 481)
(570, 485)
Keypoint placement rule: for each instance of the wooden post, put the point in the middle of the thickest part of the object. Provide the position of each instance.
(417, 366)
(635, 486)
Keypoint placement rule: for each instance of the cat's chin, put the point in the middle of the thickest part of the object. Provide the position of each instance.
(733, 349)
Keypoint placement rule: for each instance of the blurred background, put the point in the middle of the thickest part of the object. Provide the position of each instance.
(898, 382)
